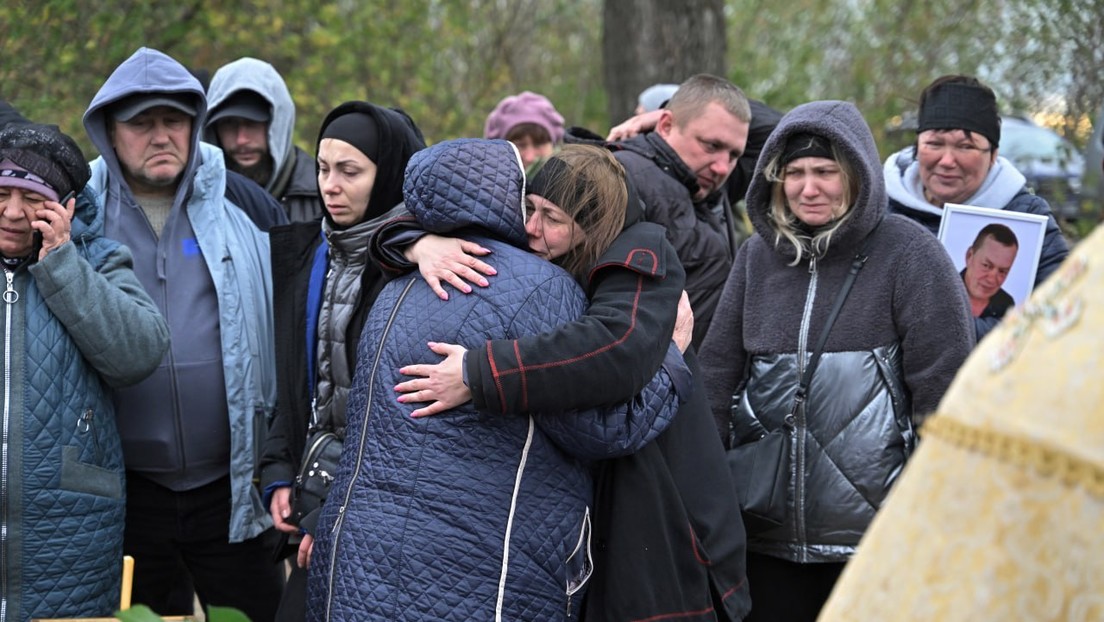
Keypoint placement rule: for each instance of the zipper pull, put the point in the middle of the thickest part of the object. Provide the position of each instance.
(337, 523)
(84, 426)
(10, 295)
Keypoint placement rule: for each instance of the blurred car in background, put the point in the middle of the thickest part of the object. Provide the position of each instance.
(1053, 166)
(1092, 184)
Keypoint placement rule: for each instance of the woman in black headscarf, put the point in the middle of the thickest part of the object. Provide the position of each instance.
(324, 286)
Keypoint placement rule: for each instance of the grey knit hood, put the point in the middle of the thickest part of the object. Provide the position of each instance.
(251, 74)
(843, 124)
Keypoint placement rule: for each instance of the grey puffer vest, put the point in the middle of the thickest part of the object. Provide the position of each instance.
(340, 297)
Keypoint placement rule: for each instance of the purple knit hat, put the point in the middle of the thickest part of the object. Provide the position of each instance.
(526, 107)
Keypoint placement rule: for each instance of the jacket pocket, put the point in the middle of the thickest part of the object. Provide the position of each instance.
(902, 405)
(579, 565)
(88, 478)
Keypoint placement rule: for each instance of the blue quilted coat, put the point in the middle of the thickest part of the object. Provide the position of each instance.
(466, 516)
(73, 325)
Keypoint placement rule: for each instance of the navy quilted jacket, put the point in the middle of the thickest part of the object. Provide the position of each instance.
(463, 515)
(73, 325)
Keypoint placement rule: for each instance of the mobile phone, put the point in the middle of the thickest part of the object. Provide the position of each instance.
(36, 237)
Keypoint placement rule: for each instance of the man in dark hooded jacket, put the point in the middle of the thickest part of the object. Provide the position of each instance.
(253, 120)
(324, 287)
(680, 170)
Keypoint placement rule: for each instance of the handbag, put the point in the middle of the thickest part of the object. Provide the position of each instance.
(761, 469)
(315, 476)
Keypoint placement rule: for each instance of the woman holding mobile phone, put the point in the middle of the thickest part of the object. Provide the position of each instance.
(67, 293)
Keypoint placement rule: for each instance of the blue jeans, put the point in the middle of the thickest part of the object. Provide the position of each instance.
(181, 539)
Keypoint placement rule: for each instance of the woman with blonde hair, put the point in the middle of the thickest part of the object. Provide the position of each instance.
(838, 330)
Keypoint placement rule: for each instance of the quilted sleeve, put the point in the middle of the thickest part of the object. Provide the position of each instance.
(622, 429)
(595, 433)
(106, 311)
(1055, 248)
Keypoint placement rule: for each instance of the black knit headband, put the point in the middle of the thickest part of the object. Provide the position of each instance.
(958, 106)
(805, 145)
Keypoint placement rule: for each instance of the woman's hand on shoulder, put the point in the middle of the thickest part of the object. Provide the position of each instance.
(450, 260)
(442, 385)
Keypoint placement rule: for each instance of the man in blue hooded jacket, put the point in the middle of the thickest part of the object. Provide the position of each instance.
(191, 432)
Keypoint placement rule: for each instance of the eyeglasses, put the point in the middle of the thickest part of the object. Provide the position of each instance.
(962, 150)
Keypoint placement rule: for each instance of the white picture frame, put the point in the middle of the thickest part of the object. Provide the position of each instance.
(959, 228)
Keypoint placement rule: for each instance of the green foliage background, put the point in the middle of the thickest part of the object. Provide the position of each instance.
(447, 62)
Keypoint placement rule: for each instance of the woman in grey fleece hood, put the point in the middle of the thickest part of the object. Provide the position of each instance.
(817, 198)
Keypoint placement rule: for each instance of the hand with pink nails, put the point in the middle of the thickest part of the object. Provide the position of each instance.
(442, 384)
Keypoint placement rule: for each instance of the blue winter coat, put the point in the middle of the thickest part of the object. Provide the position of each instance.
(73, 325)
(462, 515)
(229, 217)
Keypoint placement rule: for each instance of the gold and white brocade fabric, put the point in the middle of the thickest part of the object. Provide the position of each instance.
(1000, 513)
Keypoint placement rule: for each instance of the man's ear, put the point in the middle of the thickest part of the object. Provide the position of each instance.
(969, 253)
(665, 123)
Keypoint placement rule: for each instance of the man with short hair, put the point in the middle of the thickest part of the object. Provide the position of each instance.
(680, 171)
(191, 432)
(988, 261)
(253, 119)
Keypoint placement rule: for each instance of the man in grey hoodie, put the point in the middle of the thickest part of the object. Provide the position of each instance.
(192, 431)
(253, 119)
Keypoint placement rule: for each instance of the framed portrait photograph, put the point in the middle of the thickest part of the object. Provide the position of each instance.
(996, 252)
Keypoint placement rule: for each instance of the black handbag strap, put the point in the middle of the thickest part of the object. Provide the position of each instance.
(856, 264)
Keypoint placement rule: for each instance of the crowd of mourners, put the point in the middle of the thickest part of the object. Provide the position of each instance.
(670, 373)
